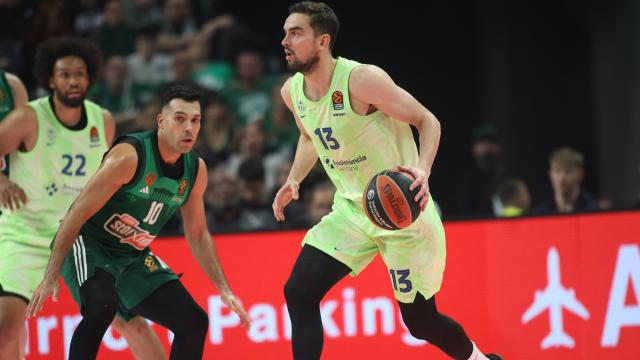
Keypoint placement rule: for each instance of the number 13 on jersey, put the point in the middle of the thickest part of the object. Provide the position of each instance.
(327, 140)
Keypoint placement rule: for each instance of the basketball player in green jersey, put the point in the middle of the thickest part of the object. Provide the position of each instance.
(356, 120)
(55, 145)
(102, 246)
(13, 94)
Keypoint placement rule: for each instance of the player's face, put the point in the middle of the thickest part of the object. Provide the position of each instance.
(300, 44)
(70, 81)
(180, 121)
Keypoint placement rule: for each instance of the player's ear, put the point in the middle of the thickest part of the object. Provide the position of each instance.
(324, 40)
(160, 120)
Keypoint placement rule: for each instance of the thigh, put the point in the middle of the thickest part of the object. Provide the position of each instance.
(314, 273)
(415, 256)
(21, 267)
(142, 278)
(339, 237)
(170, 305)
(12, 311)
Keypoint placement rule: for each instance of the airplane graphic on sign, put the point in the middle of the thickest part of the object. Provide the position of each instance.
(555, 297)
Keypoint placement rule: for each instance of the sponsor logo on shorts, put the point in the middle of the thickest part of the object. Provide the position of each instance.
(338, 100)
(344, 165)
(150, 263)
(125, 227)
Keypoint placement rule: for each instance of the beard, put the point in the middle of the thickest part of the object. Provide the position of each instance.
(304, 67)
(72, 103)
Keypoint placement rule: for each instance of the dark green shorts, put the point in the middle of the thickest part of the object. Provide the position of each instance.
(136, 275)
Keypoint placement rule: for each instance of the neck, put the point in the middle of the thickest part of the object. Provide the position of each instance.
(67, 115)
(565, 202)
(167, 154)
(318, 80)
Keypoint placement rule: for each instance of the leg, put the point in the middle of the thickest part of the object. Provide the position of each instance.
(172, 307)
(99, 299)
(12, 328)
(425, 322)
(142, 340)
(313, 274)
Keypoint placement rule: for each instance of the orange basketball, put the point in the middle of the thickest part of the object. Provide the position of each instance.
(388, 202)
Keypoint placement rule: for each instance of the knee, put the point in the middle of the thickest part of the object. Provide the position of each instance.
(295, 293)
(194, 324)
(100, 309)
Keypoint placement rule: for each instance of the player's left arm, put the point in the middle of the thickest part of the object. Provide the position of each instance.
(371, 85)
(19, 92)
(201, 243)
(109, 126)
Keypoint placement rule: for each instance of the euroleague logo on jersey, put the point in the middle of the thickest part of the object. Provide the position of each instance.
(94, 137)
(183, 187)
(338, 100)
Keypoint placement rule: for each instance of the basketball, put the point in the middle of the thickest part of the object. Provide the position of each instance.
(388, 202)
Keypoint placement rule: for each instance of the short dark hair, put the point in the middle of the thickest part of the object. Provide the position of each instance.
(50, 51)
(322, 19)
(508, 189)
(179, 91)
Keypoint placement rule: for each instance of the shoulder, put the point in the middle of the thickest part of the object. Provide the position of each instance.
(18, 90)
(367, 75)
(285, 91)
(123, 154)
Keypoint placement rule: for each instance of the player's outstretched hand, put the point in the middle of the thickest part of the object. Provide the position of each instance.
(288, 192)
(234, 304)
(12, 196)
(45, 289)
(421, 181)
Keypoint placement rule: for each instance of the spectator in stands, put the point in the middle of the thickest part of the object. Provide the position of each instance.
(141, 13)
(114, 36)
(320, 202)
(178, 27)
(477, 185)
(89, 18)
(256, 212)
(149, 70)
(211, 73)
(252, 145)
(216, 143)
(280, 126)
(222, 202)
(249, 94)
(566, 172)
(113, 91)
(514, 197)
(182, 67)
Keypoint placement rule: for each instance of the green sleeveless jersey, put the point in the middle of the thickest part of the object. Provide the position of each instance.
(136, 213)
(52, 173)
(6, 105)
(352, 147)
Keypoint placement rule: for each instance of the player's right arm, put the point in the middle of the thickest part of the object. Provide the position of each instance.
(19, 128)
(306, 156)
(19, 92)
(117, 169)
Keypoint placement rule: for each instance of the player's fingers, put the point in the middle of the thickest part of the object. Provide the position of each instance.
(21, 196)
(56, 290)
(33, 304)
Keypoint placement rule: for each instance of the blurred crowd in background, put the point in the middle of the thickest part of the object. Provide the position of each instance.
(248, 135)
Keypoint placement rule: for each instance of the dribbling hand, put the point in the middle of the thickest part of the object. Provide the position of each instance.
(45, 289)
(421, 181)
(287, 193)
(236, 306)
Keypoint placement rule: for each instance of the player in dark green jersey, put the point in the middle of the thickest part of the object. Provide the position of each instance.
(55, 144)
(143, 180)
(13, 94)
(356, 119)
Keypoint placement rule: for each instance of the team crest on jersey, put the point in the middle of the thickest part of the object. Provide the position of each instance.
(51, 137)
(150, 263)
(93, 135)
(183, 187)
(338, 100)
(150, 179)
(125, 227)
(301, 106)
